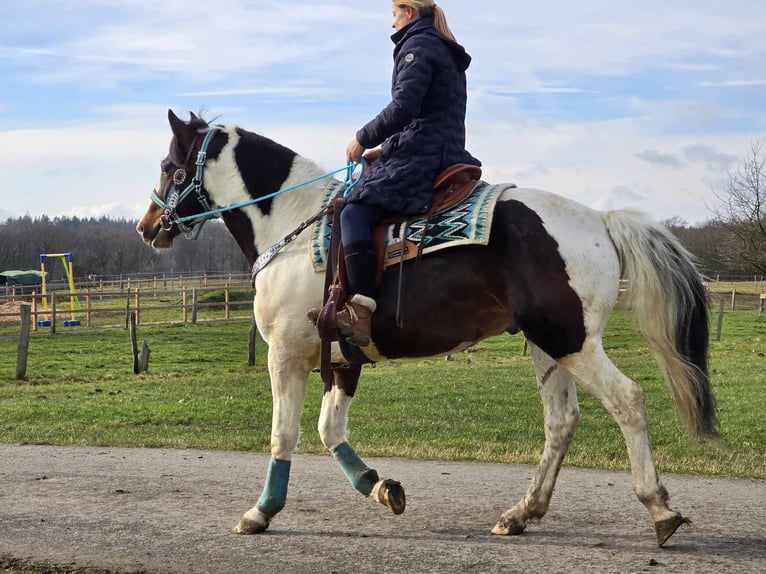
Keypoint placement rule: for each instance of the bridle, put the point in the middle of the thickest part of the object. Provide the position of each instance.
(174, 197)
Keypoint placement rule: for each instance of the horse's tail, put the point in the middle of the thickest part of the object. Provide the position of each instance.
(668, 298)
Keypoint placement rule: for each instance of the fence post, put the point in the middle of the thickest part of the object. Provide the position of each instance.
(23, 352)
(133, 341)
(183, 304)
(138, 305)
(720, 321)
(194, 306)
(53, 313)
(87, 309)
(127, 310)
(34, 310)
(140, 363)
(762, 301)
(733, 298)
(226, 301)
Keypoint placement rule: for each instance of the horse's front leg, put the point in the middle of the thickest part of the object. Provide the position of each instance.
(333, 421)
(289, 379)
(562, 417)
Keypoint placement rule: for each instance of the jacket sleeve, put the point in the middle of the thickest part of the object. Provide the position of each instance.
(411, 83)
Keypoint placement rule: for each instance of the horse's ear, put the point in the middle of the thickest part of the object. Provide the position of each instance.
(193, 116)
(177, 125)
(181, 130)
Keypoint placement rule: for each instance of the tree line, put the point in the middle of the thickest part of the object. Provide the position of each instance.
(108, 248)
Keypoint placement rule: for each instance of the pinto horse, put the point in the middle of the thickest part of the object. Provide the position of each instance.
(551, 269)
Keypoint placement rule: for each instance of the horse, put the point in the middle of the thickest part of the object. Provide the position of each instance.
(551, 269)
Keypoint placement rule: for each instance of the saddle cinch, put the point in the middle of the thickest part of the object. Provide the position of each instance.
(451, 187)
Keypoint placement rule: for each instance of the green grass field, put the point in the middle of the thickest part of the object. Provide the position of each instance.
(481, 405)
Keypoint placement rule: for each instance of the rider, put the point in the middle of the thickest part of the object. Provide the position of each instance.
(422, 132)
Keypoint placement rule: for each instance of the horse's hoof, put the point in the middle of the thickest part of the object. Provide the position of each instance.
(390, 494)
(505, 527)
(666, 528)
(248, 526)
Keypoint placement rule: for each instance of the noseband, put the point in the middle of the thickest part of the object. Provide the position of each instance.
(175, 197)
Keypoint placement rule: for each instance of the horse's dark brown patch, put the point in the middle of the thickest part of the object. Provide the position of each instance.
(241, 230)
(469, 293)
(264, 166)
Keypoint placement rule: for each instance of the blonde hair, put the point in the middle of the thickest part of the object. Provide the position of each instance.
(427, 9)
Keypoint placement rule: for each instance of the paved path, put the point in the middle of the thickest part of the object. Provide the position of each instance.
(170, 511)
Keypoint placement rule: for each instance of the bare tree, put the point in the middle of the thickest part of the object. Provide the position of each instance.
(741, 209)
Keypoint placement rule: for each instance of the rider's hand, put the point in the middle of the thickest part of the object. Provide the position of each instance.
(372, 154)
(354, 151)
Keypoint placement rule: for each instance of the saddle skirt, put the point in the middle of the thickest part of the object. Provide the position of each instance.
(466, 223)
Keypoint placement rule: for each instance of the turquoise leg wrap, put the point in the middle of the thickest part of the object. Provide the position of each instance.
(362, 477)
(274, 493)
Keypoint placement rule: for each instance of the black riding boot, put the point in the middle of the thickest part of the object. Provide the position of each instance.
(355, 319)
(360, 268)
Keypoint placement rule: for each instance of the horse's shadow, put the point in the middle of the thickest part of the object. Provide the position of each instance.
(691, 544)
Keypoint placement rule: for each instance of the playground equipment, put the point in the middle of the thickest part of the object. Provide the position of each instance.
(66, 260)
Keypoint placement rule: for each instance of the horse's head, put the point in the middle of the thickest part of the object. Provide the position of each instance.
(179, 195)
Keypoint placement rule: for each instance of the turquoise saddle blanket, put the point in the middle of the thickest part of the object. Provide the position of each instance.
(468, 223)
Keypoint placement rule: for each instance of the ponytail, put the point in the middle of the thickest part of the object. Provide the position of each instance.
(440, 23)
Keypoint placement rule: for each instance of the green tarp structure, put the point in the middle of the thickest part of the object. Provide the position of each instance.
(22, 277)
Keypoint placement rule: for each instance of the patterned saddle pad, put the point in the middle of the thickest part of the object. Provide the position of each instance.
(468, 223)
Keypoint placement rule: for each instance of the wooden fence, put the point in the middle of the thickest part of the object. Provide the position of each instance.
(157, 300)
(150, 301)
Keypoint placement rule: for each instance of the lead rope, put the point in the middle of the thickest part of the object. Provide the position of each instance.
(266, 257)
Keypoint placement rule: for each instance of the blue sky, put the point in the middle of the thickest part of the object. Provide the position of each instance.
(613, 104)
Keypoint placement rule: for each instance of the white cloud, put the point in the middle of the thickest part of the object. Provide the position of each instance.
(660, 158)
(713, 159)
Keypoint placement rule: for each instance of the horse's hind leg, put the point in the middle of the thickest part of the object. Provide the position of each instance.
(333, 422)
(624, 400)
(562, 417)
(289, 379)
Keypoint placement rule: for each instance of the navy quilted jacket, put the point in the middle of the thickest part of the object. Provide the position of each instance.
(422, 130)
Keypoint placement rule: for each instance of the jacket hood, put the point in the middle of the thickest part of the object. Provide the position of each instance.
(426, 26)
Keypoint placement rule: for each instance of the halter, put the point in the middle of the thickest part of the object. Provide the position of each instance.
(174, 197)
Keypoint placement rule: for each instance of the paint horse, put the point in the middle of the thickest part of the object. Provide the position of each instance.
(551, 269)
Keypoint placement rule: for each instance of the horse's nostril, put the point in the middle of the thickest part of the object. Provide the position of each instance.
(140, 228)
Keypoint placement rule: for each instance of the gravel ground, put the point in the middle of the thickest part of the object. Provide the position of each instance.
(171, 511)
